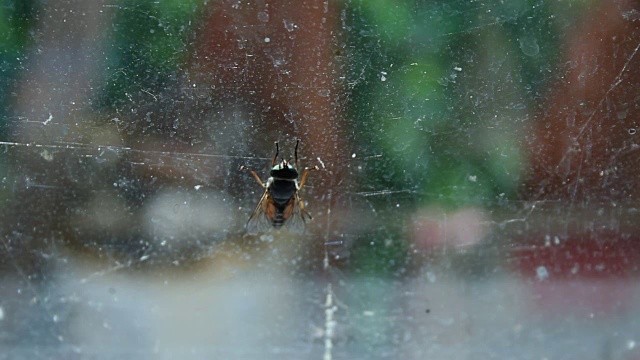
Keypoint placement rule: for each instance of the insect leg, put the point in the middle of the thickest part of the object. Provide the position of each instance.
(302, 209)
(254, 175)
(303, 178)
(275, 157)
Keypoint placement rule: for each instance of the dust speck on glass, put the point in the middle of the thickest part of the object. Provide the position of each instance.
(475, 196)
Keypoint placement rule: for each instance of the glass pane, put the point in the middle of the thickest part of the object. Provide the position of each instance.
(449, 179)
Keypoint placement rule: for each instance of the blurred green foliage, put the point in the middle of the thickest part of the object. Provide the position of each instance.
(17, 18)
(16, 34)
(442, 88)
(445, 89)
(149, 45)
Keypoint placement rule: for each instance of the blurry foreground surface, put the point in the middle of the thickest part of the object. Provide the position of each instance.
(495, 301)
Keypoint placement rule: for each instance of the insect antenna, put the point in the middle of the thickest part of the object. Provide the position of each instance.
(295, 152)
(275, 157)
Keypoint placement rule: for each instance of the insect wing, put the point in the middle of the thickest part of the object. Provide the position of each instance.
(259, 220)
(298, 219)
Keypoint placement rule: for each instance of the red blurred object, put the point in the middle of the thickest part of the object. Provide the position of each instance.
(435, 228)
(584, 274)
(584, 154)
(280, 60)
(585, 256)
(585, 148)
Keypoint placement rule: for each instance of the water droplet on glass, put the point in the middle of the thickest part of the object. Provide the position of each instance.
(529, 45)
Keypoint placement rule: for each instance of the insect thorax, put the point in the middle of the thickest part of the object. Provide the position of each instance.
(282, 190)
(284, 171)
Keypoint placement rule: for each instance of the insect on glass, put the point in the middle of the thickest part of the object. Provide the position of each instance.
(280, 205)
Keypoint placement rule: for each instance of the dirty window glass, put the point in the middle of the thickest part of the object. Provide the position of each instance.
(451, 180)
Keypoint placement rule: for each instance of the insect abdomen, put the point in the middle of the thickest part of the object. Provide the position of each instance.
(278, 220)
(280, 213)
